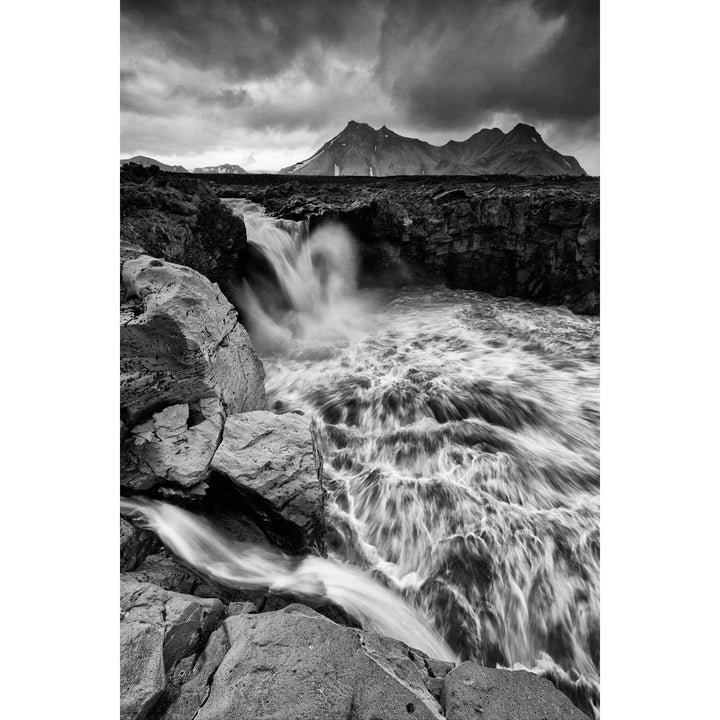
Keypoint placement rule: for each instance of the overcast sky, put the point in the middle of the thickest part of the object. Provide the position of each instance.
(264, 83)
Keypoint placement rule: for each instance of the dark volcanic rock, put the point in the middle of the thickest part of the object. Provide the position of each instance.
(532, 239)
(180, 219)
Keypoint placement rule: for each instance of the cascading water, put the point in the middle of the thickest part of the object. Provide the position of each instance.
(247, 567)
(312, 292)
(461, 441)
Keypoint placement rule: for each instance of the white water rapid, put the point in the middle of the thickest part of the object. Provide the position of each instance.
(461, 441)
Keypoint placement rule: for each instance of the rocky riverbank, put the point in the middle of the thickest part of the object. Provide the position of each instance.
(195, 430)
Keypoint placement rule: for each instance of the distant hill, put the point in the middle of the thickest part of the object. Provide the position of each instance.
(222, 169)
(147, 162)
(361, 150)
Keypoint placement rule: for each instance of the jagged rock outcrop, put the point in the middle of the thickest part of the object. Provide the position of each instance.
(175, 446)
(471, 691)
(180, 219)
(135, 545)
(537, 240)
(180, 342)
(276, 458)
(157, 629)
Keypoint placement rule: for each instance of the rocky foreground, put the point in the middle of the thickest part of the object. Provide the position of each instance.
(195, 429)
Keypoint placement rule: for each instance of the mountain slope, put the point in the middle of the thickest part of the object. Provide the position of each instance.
(147, 162)
(225, 169)
(361, 150)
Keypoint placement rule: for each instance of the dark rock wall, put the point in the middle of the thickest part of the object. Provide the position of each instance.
(532, 239)
(180, 219)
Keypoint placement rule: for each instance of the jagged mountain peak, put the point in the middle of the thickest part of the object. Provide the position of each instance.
(359, 149)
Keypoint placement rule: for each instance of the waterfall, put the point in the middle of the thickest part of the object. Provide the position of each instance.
(312, 295)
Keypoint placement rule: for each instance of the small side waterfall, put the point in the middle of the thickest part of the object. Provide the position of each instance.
(250, 567)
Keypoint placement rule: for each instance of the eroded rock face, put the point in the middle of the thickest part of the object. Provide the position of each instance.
(321, 670)
(135, 545)
(157, 630)
(277, 459)
(175, 446)
(181, 220)
(471, 691)
(533, 239)
(180, 342)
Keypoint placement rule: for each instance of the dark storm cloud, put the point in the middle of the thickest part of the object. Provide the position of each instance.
(252, 39)
(227, 98)
(450, 64)
(433, 69)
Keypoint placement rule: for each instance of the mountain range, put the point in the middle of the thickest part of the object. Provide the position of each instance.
(361, 150)
(222, 170)
(147, 162)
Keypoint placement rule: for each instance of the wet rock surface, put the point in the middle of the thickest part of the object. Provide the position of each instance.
(536, 239)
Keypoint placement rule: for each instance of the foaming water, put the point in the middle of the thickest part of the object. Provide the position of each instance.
(248, 567)
(461, 442)
(311, 294)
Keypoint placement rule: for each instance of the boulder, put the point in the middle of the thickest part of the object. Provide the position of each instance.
(142, 672)
(188, 684)
(174, 446)
(185, 619)
(180, 342)
(276, 459)
(295, 658)
(472, 692)
(157, 630)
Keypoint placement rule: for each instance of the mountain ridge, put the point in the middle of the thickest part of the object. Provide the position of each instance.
(224, 169)
(359, 149)
(148, 161)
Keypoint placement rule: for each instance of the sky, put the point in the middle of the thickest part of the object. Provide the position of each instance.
(265, 84)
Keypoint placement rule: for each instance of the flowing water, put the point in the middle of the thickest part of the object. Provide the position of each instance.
(247, 567)
(461, 441)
